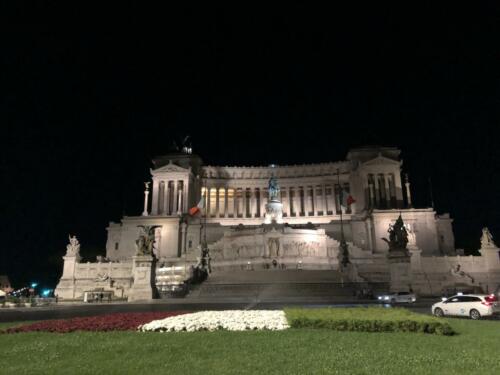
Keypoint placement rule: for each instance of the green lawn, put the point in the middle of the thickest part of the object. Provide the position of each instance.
(476, 349)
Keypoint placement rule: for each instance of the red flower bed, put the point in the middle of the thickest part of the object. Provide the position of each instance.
(108, 322)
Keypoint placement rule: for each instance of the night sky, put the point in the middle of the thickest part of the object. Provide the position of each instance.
(89, 96)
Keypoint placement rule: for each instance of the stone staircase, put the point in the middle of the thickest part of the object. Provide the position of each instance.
(280, 285)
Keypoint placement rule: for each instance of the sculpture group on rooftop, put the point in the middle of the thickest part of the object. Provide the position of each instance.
(487, 239)
(73, 248)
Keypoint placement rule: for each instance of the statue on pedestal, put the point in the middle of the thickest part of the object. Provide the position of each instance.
(73, 248)
(487, 239)
(399, 257)
(145, 243)
(398, 235)
(274, 189)
(274, 208)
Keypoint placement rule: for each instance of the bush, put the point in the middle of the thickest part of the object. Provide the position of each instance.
(373, 319)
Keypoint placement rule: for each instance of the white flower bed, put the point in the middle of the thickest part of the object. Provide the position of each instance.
(231, 320)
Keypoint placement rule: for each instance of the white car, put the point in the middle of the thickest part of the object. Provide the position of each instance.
(472, 305)
(397, 297)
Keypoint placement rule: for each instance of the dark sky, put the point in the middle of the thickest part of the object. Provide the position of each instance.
(89, 95)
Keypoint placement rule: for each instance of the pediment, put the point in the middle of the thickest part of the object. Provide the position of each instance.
(380, 160)
(171, 168)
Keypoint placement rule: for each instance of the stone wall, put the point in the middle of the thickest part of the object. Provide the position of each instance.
(111, 276)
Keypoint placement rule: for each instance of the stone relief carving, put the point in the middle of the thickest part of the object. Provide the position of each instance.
(457, 272)
(102, 277)
(274, 247)
(307, 249)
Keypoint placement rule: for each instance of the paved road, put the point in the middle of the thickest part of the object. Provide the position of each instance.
(61, 311)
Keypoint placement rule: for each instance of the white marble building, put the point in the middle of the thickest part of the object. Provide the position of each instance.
(235, 205)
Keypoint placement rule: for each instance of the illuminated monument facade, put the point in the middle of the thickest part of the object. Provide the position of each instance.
(279, 218)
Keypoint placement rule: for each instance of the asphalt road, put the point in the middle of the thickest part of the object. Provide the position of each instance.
(62, 311)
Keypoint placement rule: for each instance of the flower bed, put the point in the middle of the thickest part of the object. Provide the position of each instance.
(108, 322)
(231, 320)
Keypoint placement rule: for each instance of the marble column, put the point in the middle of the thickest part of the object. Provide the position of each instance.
(246, 202)
(253, 202)
(217, 204)
(154, 203)
(262, 202)
(146, 194)
(175, 204)
(258, 198)
(299, 200)
(289, 202)
(377, 192)
(325, 200)
(166, 198)
(372, 195)
(387, 191)
(236, 203)
(185, 198)
(307, 201)
(408, 192)
(315, 201)
(226, 202)
(337, 206)
(207, 201)
(180, 194)
(284, 200)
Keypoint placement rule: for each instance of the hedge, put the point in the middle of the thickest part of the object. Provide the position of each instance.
(372, 319)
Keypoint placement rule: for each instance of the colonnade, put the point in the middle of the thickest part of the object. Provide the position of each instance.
(382, 190)
(249, 202)
(170, 197)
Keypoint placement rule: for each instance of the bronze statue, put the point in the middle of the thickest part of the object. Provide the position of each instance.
(274, 189)
(398, 236)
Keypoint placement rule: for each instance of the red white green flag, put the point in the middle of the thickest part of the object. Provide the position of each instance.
(196, 209)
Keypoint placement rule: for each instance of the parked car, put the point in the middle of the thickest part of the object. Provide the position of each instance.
(397, 297)
(474, 306)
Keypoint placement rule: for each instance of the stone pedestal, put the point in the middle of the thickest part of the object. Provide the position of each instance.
(492, 257)
(274, 212)
(400, 270)
(142, 272)
(66, 287)
(416, 263)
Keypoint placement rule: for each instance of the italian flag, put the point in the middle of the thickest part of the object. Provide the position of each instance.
(194, 210)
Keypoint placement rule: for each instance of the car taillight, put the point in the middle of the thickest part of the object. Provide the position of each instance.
(491, 298)
(487, 303)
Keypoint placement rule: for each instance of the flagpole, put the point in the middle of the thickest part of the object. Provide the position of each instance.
(343, 243)
(204, 247)
(431, 192)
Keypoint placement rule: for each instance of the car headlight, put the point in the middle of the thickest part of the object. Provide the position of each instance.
(386, 297)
